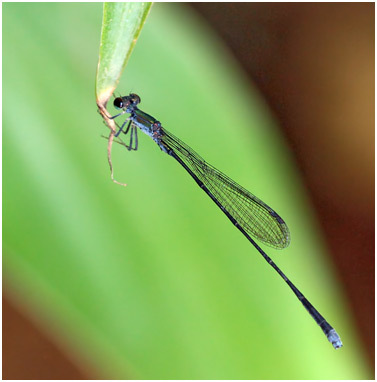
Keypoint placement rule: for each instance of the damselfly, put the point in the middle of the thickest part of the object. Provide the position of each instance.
(248, 213)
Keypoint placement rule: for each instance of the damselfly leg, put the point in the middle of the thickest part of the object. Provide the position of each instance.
(133, 135)
(121, 128)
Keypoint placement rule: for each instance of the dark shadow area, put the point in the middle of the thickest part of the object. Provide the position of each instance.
(314, 65)
(30, 354)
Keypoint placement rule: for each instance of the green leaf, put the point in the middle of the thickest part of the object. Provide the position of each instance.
(121, 26)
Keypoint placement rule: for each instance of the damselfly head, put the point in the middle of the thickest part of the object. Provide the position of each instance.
(134, 99)
(126, 102)
(118, 103)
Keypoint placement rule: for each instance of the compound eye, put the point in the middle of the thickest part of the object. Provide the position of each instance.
(135, 99)
(118, 103)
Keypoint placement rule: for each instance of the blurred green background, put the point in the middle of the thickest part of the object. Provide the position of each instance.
(151, 281)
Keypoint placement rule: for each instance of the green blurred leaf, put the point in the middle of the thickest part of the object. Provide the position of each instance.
(121, 25)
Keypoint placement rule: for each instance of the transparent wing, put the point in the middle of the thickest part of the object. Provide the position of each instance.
(254, 216)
